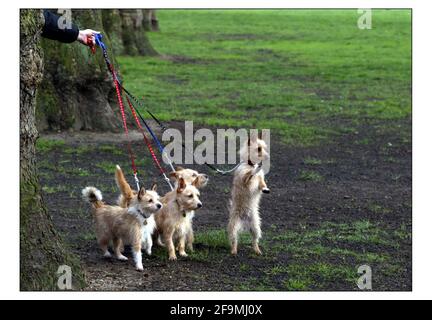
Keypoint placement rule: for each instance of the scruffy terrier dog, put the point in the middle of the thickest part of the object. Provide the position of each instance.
(248, 184)
(124, 225)
(172, 221)
(188, 175)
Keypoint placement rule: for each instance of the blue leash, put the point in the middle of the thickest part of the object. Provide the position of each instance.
(99, 42)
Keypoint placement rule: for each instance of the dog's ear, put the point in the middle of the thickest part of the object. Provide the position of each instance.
(178, 168)
(154, 187)
(141, 193)
(181, 185)
(196, 182)
(203, 180)
(173, 175)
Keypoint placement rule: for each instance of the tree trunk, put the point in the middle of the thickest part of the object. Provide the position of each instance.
(127, 29)
(41, 248)
(77, 91)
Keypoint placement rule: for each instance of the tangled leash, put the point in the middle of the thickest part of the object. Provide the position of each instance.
(155, 139)
(163, 129)
(98, 40)
(223, 172)
(147, 142)
(119, 88)
(129, 96)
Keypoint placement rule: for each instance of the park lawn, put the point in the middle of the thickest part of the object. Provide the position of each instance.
(287, 70)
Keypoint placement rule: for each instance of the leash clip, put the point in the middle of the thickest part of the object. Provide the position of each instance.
(168, 181)
(137, 181)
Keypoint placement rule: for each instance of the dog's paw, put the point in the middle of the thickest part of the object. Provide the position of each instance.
(258, 252)
(107, 255)
(122, 258)
(183, 254)
(148, 252)
(172, 258)
(234, 252)
(265, 190)
(139, 268)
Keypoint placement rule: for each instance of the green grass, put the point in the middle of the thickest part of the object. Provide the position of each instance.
(213, 238)
(307, 175)
(107, 166)
(45, 145)
(280, 69)
(55, 189)
(111, 149)
(377, 209)
(312, 161)
(308, 258)
(78, 150)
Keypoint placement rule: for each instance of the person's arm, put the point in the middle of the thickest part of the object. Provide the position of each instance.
(51, 30)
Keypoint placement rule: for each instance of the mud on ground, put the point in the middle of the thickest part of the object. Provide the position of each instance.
(332, 208)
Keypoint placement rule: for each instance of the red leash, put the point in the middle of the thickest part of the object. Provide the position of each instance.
(147, 142)
(122, 111)
(119, 89)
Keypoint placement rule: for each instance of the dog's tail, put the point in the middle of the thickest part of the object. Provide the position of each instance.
(93, 196)
(124, 187)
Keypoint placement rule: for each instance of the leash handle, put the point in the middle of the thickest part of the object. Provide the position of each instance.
(91, 44)
(98, 40)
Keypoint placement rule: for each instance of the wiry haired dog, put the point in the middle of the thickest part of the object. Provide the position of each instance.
(127, 194)
(188, 175)
(172, 220)
(201, 180)
(122, 225)
(248, 184)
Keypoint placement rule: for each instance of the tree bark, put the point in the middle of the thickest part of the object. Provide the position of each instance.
(127, 28)
(42, 250)
(77, 92)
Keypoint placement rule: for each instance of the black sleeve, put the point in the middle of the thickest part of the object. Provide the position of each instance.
(51, 29)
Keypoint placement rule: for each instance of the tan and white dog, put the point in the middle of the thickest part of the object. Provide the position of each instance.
(172, 221)
(248, 185)
(188, 175)
(123, 225)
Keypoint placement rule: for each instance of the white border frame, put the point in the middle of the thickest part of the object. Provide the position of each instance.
(422, 160)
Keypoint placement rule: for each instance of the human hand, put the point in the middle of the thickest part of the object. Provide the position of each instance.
(83, 35)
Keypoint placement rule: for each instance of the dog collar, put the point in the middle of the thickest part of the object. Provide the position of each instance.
(139, 211)
(254, 164)
(183, 212)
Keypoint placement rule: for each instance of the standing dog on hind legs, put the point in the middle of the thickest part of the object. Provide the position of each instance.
(248, 185)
